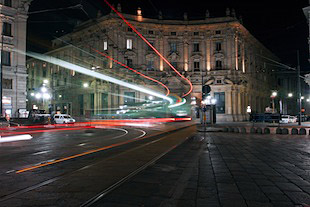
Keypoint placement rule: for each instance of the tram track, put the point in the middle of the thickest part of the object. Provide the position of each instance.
(144, 142)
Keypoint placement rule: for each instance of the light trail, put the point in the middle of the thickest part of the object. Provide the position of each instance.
(178, 104)
(133, 70)
(101, 76)
(151, 46)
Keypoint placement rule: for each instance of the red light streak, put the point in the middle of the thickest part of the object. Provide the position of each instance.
(151, 46)
(129, 68)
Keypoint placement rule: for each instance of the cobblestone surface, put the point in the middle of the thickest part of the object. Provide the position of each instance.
(224, 169)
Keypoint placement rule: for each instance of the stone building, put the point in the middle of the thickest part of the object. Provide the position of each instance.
(219, 52)
(13, 26)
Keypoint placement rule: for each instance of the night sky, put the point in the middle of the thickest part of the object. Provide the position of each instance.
(280, 25)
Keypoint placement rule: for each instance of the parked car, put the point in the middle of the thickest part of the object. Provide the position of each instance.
(285, 119)
(63, 119)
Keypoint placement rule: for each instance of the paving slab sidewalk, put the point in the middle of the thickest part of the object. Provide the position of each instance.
(223, 169)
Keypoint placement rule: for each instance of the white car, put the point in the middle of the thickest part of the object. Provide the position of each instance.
(285, 119)
(63, 119)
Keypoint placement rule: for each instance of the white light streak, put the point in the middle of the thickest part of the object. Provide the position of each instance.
(101, 76)
(178, 104)
(15, 138)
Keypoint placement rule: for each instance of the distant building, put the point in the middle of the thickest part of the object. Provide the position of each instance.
(13, 26)
(307, 14)
(219, 52)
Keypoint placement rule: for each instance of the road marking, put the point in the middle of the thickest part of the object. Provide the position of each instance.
(82, 144)
(51, 162)
(42, 152)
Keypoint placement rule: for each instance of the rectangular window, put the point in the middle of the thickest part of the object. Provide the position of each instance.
(173, 47)
(6, 58)
(7, 29)
(149, 48)
(150, 64)
(151, 32)
(105, 45)
(129, 63)
(129, 97)
(196, 47)
(174, 64)
(8, 3)
(218, 64)
(104, 101)
(196, 33)
(196, 65)
(218, 46)
(220, 102)
(173, 33)
(7, 83)
(44, 73)
(218, 32)
(129, 44)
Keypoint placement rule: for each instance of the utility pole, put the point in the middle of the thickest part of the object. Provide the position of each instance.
(299, 89)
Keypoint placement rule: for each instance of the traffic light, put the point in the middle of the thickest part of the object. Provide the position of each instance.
(205, 91)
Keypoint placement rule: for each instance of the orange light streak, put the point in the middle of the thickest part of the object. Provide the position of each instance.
(151, 46)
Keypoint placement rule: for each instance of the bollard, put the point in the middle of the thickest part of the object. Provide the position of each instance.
(302, 131)
(252, 130)
(243, 130)
(278, 131)
(285, 131)
(259, 130)
(294, 131)
(266, 131)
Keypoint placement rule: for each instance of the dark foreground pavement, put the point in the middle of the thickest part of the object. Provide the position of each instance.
(223, 169)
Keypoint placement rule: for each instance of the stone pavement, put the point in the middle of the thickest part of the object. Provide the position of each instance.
(224, 169)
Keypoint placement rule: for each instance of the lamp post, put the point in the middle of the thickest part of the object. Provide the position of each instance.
(273, 96)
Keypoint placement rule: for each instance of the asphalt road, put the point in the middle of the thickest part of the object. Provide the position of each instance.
(70, 167)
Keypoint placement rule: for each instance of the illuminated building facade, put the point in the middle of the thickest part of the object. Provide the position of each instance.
(218, 52)
(13, 36)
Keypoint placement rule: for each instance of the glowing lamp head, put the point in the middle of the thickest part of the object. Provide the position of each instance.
(38, 95)
(274, 94)
(85, 85)
(43, 89)
(290, 95)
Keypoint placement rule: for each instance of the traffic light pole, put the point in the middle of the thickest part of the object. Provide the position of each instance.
(1, 76)
(299, 89)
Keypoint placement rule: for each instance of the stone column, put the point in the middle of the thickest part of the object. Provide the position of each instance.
(228, 102)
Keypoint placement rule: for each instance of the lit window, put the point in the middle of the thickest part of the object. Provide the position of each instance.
(129, 44)
(105, 45)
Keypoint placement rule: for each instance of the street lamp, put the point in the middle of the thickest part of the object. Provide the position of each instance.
(290, 95)
(85, 85)
(273, 96)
